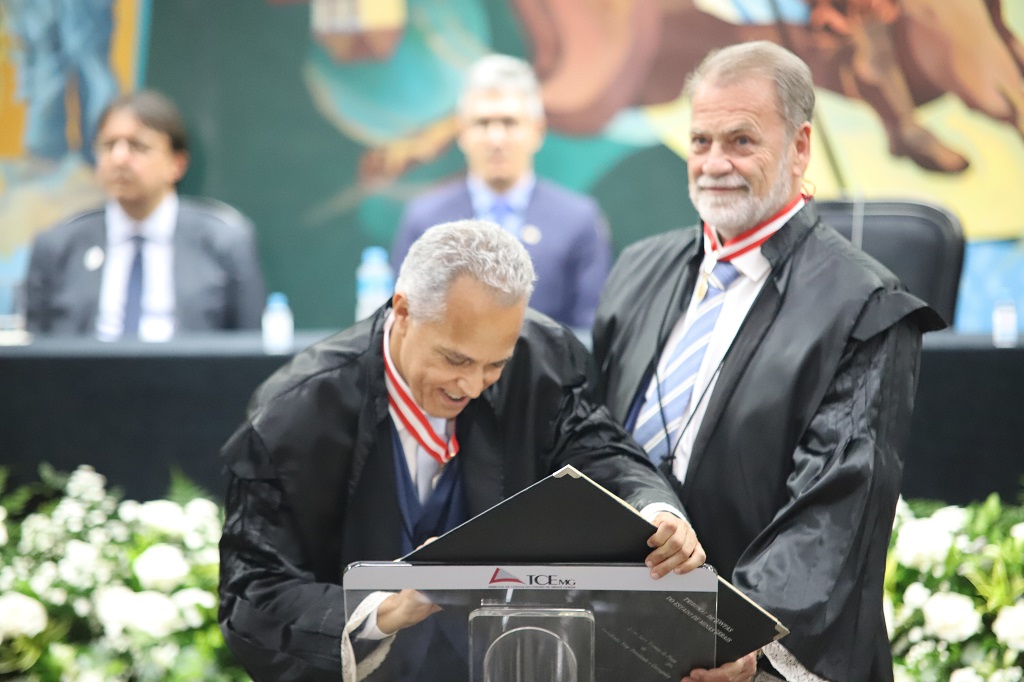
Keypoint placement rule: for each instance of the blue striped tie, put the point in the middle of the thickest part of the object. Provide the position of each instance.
(680, 374)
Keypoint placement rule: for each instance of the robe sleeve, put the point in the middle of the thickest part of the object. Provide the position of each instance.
(278, 620)
(818, 566)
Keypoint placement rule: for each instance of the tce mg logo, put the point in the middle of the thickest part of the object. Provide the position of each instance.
(547, 580)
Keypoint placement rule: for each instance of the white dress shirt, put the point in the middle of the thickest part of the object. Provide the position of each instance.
(156, 322)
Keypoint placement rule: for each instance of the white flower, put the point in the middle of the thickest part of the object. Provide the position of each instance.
(7, 578)
(1013, 674)
(903, 512)
(164, 655)
(43, 577)
(3, 528)
(57, 596)
(38, 535)
(923, 544)
(889, 615)
(951, 518)
(161, 567)
(94, 517)
(201, 510)
(1017, 531)
(63, 654)
(78, 566)
(209, 556)
(966, 675)
(82, 607)
(21, 615)
(98, 536)
(118, 530)
(950, 616)
(193, 596)
(154, 614)
(902, 675)
(86, 484)
(92, 676)
(1009, 626)
(916, 595)
(188, 601)
(113, 606)
(163, 516)
(128, 511)
(919, 652)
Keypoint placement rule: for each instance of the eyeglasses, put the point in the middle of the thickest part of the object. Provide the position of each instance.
(135, 146)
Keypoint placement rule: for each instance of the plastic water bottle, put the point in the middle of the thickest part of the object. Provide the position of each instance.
(278, 325)
(1004, 323)
(375, 281)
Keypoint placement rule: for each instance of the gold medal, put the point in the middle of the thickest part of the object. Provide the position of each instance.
(702, 285)
(702, 280)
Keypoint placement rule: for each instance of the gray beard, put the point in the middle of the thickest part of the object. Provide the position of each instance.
(731, 216)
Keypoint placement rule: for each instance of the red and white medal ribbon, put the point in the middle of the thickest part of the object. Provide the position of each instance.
(405, 410)
(753, 238)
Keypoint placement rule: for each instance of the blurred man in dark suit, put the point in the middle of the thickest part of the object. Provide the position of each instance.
(501, 128)
(148, 264)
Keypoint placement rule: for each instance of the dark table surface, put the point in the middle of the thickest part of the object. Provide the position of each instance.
(134, 411)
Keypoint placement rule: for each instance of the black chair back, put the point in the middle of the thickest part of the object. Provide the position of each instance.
(921, 243)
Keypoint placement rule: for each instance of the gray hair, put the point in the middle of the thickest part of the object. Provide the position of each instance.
(502, 73)
(794, 87)
(475, 248)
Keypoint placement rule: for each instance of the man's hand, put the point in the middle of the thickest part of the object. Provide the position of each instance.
(742, 670)
(403, 610)
(675, 547)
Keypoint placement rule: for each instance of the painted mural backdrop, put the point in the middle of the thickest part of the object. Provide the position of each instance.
(319, 118)
(61, 62)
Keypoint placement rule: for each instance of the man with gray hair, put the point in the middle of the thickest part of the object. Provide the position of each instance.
(451, 398)
(769, 369)
(501, 128)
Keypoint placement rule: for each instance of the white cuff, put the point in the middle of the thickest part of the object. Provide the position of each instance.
(655, 508)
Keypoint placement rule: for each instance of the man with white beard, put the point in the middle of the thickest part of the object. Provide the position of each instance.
(769, 369)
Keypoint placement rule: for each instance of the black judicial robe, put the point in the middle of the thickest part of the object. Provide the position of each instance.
(796, 467)
(312, 480)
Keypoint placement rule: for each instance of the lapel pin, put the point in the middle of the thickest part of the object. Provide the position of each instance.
(93, 258)
(531, 234)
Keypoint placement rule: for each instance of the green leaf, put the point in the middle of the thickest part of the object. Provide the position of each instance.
(183, 489)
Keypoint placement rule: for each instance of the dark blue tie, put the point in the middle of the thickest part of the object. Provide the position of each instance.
(133, 295)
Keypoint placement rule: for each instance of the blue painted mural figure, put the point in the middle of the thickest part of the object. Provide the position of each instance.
(60, 39)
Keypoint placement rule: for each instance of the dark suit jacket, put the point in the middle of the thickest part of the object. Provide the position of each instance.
(795, 471)
(217, 278)
(571, 259)
(312, 482)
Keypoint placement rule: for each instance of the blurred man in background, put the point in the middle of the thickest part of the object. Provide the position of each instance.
(146, 265)
(501, 128)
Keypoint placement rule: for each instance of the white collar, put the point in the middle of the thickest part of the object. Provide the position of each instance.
(158, 226)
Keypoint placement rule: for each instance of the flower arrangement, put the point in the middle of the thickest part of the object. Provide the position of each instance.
(954, 592)
(93, 588)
